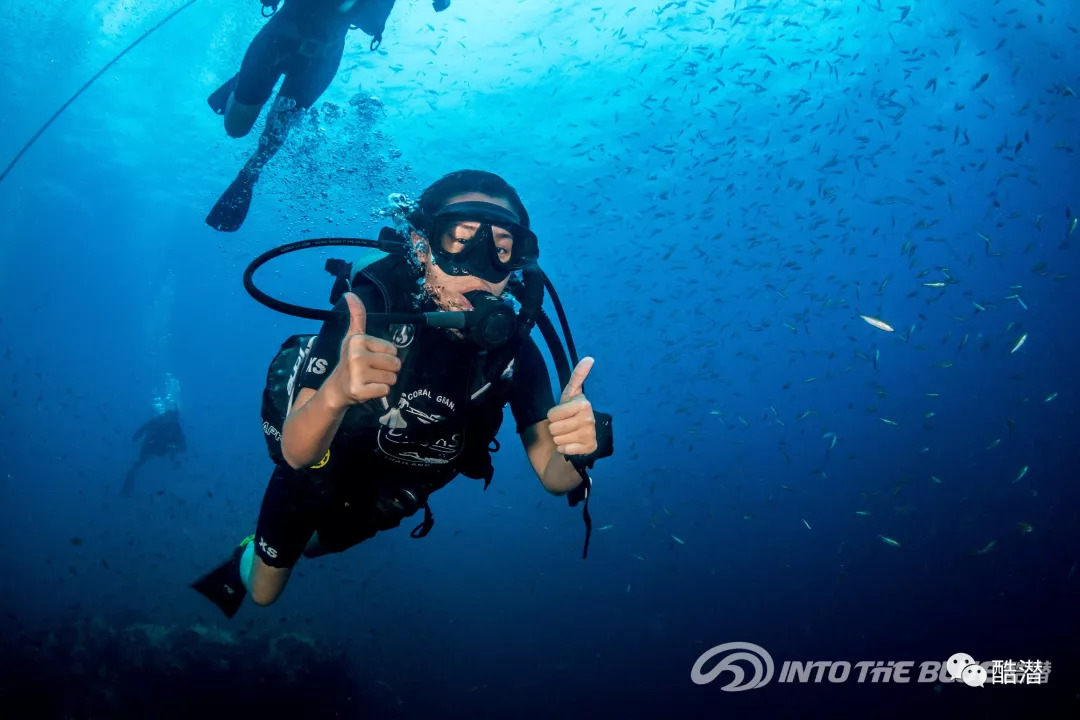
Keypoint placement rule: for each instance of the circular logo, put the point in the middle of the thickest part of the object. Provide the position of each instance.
(755, 656)
(402, 335)
(322, 463)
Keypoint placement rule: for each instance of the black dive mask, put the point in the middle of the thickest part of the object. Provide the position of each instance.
(497, 246)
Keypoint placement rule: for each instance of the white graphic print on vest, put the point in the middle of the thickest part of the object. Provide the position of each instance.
(411, 434)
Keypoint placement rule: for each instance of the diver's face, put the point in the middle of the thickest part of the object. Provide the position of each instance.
(447, 290)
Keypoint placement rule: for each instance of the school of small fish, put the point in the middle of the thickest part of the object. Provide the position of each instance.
(827, 191)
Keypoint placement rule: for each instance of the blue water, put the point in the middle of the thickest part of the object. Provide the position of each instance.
(720, 189)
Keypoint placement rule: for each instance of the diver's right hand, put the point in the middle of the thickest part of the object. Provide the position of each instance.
(368, 366)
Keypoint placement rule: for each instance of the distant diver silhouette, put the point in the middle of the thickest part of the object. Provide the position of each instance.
(161, 436)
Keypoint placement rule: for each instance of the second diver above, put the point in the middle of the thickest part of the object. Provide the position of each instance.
(304, 41)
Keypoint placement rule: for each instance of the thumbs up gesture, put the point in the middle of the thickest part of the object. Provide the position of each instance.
(573, 425)
(368, 365)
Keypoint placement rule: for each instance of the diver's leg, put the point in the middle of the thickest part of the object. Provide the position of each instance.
(288, 517)
(231, 209)
(129, 482)
(264, 582)
(129, 479)
(241, 99)
(281, 118)
(240, 118)
(265, 61)
(306, 79)
(261, 564)
(128, 488)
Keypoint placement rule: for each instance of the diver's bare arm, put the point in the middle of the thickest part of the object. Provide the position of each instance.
(311, 425)
(556, 473)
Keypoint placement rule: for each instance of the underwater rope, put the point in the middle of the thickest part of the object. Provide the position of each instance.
(90, 82)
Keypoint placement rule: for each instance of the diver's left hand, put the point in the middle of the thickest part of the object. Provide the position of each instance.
(573, 424)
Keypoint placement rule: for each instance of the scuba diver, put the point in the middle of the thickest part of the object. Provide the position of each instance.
(303, 41)
(403, 388)
(161, 436)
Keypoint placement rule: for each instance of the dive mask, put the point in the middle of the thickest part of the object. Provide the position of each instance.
(480, 239)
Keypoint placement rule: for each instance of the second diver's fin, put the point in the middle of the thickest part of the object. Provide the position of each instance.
(223, 585)
(231, 209)
(219, 99)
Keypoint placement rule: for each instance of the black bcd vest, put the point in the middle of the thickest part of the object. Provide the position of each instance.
(395, 284)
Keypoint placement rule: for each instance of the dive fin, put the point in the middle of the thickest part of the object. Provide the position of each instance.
(219, 99)
(223, 585)
(231, 209)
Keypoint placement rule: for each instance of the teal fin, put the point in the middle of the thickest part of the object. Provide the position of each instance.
(232, 207)
(223, 585)
(219, 99)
